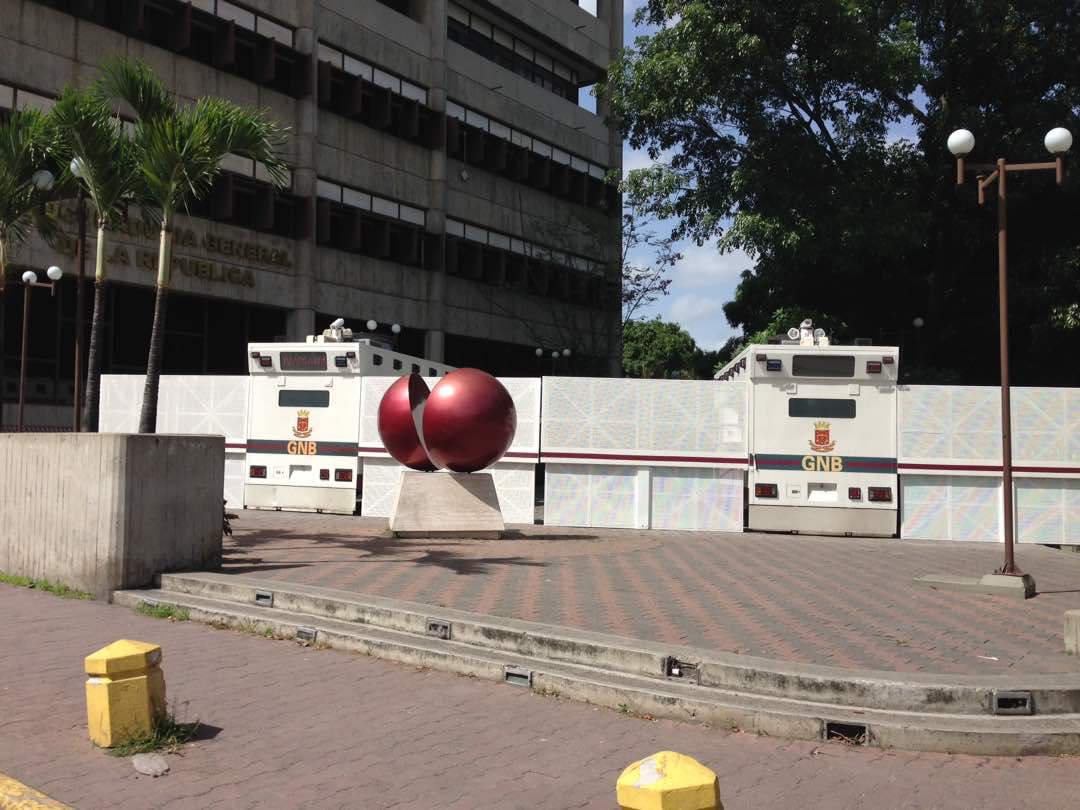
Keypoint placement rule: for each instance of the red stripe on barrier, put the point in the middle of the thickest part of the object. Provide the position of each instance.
(628, 457)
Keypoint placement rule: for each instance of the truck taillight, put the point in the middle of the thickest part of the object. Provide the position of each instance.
(873, 367)
(256, 471)
(343, 475)
(765, 490)
(324, 475)
(266, 362)
(854, 494)
(879, 494)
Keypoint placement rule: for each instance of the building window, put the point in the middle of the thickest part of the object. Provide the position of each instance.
(492, 42)
(364, 92)
(215, 32)
(359, 222)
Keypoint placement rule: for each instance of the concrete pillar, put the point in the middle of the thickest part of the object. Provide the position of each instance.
(434, 19)
(301, 320)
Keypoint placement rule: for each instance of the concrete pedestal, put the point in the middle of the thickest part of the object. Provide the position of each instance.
(1018, 587)
(445, 504)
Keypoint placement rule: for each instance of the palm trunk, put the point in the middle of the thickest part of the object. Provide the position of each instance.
(148, 417)
(3, 278)
(91, 407)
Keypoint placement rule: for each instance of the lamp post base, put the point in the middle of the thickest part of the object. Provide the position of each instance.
(1018, 586)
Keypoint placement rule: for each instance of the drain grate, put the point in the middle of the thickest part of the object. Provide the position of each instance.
(518, 676)
(264, 598)
(851, 733)
(306, 634)
(439, 629)
(1013, 703)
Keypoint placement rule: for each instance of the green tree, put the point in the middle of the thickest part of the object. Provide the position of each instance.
(178, 150)
(780, 121)
(103, 161)
(657, 348)
(27, 147)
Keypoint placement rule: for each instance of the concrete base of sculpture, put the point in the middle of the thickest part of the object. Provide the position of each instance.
(446, 504)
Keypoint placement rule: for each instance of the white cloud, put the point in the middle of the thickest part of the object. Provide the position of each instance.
(704, 266)
(689, 308)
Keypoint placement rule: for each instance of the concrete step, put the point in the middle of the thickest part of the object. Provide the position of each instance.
(672, 698)
(867, 689)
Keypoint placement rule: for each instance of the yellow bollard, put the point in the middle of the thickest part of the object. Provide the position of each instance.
(125, 693)
(668, 781)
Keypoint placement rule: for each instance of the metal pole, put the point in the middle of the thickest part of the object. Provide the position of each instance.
(1006, 411)
(79, 307)
(22, 366)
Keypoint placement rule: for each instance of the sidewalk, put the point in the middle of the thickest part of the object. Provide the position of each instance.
(288, 726)
(838, 601)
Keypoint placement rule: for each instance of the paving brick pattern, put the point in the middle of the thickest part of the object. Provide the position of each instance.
(294, 727)
(846, 602)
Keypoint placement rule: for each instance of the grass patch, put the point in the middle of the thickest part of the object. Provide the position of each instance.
(55, 588)
(167, 737)
(170, 612)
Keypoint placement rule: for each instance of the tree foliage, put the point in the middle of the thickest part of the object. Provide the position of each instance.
(774, 130)
(658, 348)
(647, 259)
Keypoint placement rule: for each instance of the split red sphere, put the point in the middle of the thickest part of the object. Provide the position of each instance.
(469, 421)
(398, 425)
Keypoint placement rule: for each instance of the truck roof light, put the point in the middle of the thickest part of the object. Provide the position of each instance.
(888, 360)
(761, 357)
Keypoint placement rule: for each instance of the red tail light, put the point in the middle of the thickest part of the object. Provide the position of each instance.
(765, 490)
(854, 494)
(873, 367)
(879, 494)
(324, 475)
(257, 472)
(266, 362)
(343, 475)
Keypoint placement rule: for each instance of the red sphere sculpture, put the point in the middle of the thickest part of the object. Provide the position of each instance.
(399, 416)
(464, 424)
(469, 421)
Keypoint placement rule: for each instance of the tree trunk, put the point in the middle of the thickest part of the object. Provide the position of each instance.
(91, 407)
(92, 394)
(3, 277)
(148, 417)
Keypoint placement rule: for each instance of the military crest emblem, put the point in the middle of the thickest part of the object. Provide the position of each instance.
(822, 443)
(303, 425)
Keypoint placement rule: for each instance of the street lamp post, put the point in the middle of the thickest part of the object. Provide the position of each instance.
(29, 279)
(960, 143)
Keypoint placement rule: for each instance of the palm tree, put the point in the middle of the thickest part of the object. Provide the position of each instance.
(178, 150)
(103, 162)
(27, 140)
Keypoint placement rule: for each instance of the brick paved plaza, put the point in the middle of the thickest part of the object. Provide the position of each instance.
(288, 726)
(844, 601)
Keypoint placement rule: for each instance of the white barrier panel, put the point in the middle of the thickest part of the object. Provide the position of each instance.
(623, 496)
(514, 485)
(525, 391)
(957, 507)
(201, 404)
(950, 463)
(602, 421)
(956, 430)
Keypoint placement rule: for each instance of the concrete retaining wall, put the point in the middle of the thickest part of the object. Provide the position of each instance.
(104, 511)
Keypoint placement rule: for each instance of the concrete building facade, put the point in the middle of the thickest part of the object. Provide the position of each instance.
(444, 177)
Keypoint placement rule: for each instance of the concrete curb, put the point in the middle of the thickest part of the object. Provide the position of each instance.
(673, 698)
(14, 795)
(917, 692)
